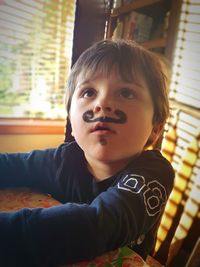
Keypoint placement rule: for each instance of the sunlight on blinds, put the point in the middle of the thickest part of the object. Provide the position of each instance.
(186, 69)
(35, 56)
(181, 146)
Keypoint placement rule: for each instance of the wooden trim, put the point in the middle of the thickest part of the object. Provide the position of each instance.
(172, 31)
(195, 112)
(133, 6)
(157, 43)
(31, 126)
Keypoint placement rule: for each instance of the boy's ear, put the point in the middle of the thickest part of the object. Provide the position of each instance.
(155, 134)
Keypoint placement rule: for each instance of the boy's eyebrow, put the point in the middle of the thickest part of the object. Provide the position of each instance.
(125, 82)
(134, 83)
(82, 83)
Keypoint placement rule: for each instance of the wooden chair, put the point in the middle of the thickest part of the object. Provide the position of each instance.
(184, 201)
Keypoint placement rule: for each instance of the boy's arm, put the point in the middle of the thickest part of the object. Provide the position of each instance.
(73, 232)
(34, 169)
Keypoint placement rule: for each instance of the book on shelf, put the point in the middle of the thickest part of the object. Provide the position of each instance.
(160, 28)
(166, 24)
(118, 31)
(126, 2)
(117, 3)
(137, 26)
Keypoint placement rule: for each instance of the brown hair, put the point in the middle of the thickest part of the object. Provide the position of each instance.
(132, 61)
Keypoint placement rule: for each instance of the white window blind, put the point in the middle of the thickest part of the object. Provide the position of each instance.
(185, 86)
(35, 56)
(181, 143)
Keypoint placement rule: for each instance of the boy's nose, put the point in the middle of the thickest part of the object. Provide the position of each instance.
(104, 103)
(99, 108)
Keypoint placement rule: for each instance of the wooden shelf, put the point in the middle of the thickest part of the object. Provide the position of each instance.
(157, 43)
(165, 13)
(133, 6)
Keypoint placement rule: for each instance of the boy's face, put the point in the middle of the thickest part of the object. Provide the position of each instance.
(111, 119)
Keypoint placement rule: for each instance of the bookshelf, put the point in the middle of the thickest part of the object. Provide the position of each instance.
(163, 16)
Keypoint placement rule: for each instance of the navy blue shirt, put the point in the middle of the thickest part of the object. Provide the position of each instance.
(94, 217)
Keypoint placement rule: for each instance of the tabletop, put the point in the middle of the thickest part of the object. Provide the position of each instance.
(13, 199)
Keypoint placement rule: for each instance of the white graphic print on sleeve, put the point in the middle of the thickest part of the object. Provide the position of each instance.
(153, 192)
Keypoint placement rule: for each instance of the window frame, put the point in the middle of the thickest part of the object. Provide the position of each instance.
(31, 126)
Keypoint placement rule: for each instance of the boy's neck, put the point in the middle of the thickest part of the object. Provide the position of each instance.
(103, 170)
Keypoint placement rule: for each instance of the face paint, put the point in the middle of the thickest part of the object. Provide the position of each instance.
(88, 116)
(103, 141)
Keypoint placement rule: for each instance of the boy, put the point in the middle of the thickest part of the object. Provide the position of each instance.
(113, 191)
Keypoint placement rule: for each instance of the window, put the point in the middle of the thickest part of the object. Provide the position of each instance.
(186, 70)
(181, 144)
(35, 57)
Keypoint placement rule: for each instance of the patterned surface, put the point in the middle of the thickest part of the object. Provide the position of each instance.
(14, 199)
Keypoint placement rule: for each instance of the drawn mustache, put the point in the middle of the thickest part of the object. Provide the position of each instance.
(89, 116)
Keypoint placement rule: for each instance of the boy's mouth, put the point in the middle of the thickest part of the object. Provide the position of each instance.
(102, 128)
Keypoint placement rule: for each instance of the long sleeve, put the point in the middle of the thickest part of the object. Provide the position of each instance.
(37, 169)
(74, 232)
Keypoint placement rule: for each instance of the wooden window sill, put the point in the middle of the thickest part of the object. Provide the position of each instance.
(31, 126)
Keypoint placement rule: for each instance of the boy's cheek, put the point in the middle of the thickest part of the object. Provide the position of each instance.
(77, 125)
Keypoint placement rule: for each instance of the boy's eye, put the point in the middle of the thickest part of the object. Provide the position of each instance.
(127, 93)
(89, 92)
